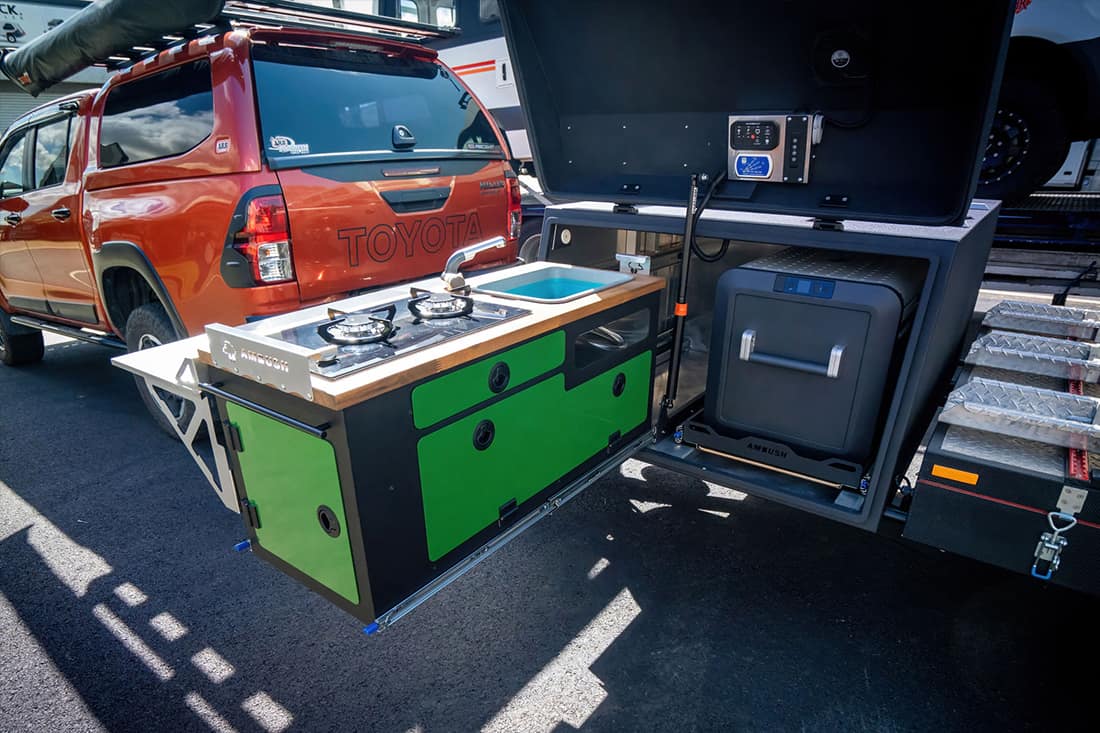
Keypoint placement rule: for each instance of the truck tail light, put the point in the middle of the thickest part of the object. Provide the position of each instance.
(265, 240)
(515, 208)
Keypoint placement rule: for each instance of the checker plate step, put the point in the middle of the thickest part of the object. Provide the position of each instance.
(1042, 415)
(1048, 320)
(1036, 355)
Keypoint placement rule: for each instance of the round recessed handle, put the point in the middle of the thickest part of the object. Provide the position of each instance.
(484, 434)
(328, 521)
(499, 376)
(619, 385)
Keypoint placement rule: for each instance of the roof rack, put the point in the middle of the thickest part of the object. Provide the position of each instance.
(299, 15)
(284, 14)
(54, 55)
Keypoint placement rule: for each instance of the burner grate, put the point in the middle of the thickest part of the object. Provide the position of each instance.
(427, 305)
(355, 329)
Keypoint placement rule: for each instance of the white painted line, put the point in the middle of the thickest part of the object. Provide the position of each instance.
(724, 492)
(271, 716)
(646, 506)
(209, 715)
(565, 690)
(717, 513)
(133, 642)
(168, 626)
(632, 469)
(213, 665)
(130, 594)
(598, 567)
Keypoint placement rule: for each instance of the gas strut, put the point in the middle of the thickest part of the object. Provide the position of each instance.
(680, 310)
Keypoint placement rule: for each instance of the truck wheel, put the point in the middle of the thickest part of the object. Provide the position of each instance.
(529, 238)
(1027, 144)
(18, 345)
(149, 326)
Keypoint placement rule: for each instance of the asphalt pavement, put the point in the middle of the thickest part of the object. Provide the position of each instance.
(651, 602)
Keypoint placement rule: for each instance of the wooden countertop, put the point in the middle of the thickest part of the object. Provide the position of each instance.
(358, 386)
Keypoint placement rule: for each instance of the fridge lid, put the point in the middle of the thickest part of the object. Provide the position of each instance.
(626, 100)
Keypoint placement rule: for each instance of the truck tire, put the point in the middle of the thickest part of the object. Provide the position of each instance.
(149, 326)
(529, 237)
(19, 346)
(1028, 142)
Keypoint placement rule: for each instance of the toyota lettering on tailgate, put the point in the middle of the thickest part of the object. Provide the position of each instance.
(431, 234)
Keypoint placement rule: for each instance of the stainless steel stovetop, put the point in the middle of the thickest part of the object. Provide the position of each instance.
(367, 337)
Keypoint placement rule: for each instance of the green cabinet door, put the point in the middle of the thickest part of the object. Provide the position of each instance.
(463, 388)
(537, 436)
(290, 476)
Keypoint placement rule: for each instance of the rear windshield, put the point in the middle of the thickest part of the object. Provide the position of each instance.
(314, 102)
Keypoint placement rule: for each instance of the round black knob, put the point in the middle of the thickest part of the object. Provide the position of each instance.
(499, 376)
(328, 521)
(619, 384)
(484, 434)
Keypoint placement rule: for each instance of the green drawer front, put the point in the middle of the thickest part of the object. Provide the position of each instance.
(289, 475)
(541, 434)
(463, 388)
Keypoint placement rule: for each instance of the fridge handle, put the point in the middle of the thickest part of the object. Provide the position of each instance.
(830, 369)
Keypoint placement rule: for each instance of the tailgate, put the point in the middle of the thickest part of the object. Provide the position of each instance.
(362, 225)
(386, 161)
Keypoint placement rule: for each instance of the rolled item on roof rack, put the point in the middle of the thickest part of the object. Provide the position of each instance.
(100, 30)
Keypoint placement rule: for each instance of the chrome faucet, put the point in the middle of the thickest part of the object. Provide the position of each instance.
(451, 276)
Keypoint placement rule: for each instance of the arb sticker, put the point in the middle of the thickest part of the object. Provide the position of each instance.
(284, 144)
(221, 145)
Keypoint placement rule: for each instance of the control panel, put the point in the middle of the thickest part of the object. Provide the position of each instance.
(812, 287)
(772, 148)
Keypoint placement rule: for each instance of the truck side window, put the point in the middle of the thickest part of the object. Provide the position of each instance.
(409, 11)
(51, 153)
(11, 169)
(157, 116)
(489, 11)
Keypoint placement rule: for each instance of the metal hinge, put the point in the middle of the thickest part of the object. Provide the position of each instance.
(828, 225)
(250, 514)
(232, 437)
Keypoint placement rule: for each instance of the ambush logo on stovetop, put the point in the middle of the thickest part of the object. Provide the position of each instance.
(429, 235)
(271, 362)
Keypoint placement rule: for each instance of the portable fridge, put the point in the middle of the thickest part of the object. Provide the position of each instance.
(805, 343)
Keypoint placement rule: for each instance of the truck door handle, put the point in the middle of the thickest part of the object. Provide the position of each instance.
(61, 214)
(13, 218)
(830, 369)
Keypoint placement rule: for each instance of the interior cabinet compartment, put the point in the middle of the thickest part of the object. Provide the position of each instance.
(596, 344)
(804, 345)
(376, 503)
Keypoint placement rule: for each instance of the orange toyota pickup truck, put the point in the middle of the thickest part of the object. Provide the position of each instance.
(239, 175)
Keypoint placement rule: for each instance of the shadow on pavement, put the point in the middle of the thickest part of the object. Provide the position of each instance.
(652, 602)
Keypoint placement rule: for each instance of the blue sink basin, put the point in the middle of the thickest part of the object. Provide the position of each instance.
(552, 284)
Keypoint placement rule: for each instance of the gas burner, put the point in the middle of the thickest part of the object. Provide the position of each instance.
(358, 328)
(426, 305)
